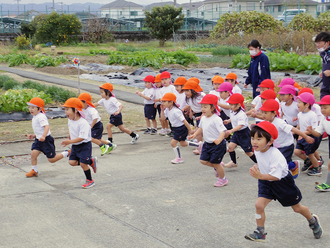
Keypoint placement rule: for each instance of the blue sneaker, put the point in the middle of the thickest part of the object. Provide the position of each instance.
(296, 170)
(316, 227)
(256, 236)
(315, 171)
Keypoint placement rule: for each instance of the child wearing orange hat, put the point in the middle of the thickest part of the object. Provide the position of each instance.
(113, 107)
(274, 181)
(94, 120)
(180, 95)
(149, 94)
(43, 141)
(232, 78)
(240, 130)
(158, 97)
(80, 139)
(216, 82)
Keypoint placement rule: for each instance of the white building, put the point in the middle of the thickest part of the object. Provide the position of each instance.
(121, 9)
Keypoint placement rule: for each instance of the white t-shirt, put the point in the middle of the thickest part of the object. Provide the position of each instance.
(239, 118)
(307, 119)
(181, 99)
(317, 109)
(194, 103)
(80, 129)
(175, 116)
(158, 95)
(272, 162)
(149, 93)
(91, 114)
(111, 105)
(212, 127)
(39, 122)
(290, 112)
(170, 88)
(257, 102)
(285, 137)
(324, 126)
(237, 89)
(216, 93)
(222, 101)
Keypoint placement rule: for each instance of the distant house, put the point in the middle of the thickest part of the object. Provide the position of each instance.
(85, 14)
(28, 15)
(277, 7)
(121, 9)
(160, 4)
(191, 9)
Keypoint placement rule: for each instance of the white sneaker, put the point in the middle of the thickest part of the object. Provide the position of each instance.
(162, 132)
(135, 139)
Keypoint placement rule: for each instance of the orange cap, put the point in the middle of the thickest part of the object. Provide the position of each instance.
(308, 90)
(169, 97)
(231, 75)
(87, 98)
(73, 103)
(107, 86)
(37, 101)
(157, 78)
(192, 85)
(194, 79)
(180, 81)
(217, 79)
(296, 85)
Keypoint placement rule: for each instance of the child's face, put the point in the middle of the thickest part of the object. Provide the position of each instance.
(234, 107)
(85, 105)
(34, 110)
(262, 89)
(148, 85)
(188, 93)
(232, 81)
(216, 86)
(102, 92)
(258, 143)
(263, 100)
(178, 88)
(70, 113)
(166, 81)
(302, 106)
(224, 94)
(167, 104)
(268, 115)
(285, 97)
(207, 110)
(158, 84)
(325, 110)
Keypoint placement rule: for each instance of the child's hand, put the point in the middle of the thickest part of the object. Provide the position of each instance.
(225, 122)
(190, 131)
(309, 129)
(309, 140)
(162, 107)
(65, 142)
(228, 132)
(295, 119)
(42, 139)
(327, 73)
(116, 113)
(198, 118)
(254, 171)
(245, 86)
(32, 136)
(253, 113)
(217, 141)
(191, 137)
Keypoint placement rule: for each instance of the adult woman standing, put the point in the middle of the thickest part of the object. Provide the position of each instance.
(259, 67)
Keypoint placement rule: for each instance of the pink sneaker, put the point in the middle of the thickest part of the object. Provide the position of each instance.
(162, 132)
(177, 160)
(196, 151)
(200, 146)
(221, 182)
(230, 165)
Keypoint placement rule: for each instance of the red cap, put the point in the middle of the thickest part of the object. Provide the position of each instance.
(269, 128)
(267, 83)
(165, 74)
(180, 81)
(107, 86)
(325, 100)
(270, 105)
(210, 99)
(149, 79)
(87, 98)
(304, 90)
(236, 98)
(268, 94)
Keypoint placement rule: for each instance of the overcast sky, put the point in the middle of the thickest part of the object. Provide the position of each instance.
(144, 2)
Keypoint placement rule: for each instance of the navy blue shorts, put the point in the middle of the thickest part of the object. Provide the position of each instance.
(116, 120)
(309, 148)
(325, 90)
(158, 109)
(198, 115)
(213, 153)
(82, 152)
(97, 130)
(243, 139)
(180, 133)
(284, 190)
(150, 111)
(224, 117)
(47, 147)
(287, 152)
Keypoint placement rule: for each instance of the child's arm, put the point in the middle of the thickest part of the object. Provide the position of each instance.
(233, 130)
(313, 131)
(96, 104)
(309, 139)
(190, 131)
(144, 96)
(255, 172)
(46, 130)
(251, 110)
(198, 132)
(226, 121)
(94, 122)
(224, 106)
(162, 114)
(119, 110)
(68, 142)
(257, 114)
(220, 139)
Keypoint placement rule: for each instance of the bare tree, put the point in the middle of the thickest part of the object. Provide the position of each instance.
(97, 29)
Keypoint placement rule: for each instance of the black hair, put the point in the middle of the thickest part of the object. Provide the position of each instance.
(310, 106)
(107, 92)
(260, 132)
(237, 110)
(214, 108)
(255, 44)
(324, 36)
(194, 94)
(74, 111)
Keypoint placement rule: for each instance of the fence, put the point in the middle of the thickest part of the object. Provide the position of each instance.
(204, 17)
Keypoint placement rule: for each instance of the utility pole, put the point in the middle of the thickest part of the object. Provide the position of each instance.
(53, 5)
(17, 6)
(61, 3)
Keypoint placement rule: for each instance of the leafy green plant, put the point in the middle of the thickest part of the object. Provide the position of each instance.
(323, 21)
(229, 50)
(303, 21)
(22, 42)
(37, 60)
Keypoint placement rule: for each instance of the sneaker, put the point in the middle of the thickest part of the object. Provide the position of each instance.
(230, 165)
(200, 146)
(167, 131)
(111, 148)
(316, 227)
(88, 184)
(324, 136)
(135, 139)
(321, 161)
(323, 187)
(153, 131)
(296, 170)
(162, 132)
(170, 134)
(256, 236)
(196, 151)
(148, 131)
(221, 182)
(104, 149)
(315, 171)
(307, 166)
(94, 164)
(69, 152)
(32, 173)
(177, 161)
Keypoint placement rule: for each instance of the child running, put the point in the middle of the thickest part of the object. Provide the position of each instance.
(289, 108)
(285, 140)
(113, 107)
(181, 127)
(216, 82)
(149, 109)
(158, 99)
(232, 78)
(94, 120)
(323, 127)
(214, 147)
(274, 181)
(266, 95)
(80, 139)
(43, 141)
(180, 95)
(240, 130)
(225, 90)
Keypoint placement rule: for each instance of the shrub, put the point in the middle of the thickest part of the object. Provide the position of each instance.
(229, 50)
(323, 21)
(303, 21)
(22, 42)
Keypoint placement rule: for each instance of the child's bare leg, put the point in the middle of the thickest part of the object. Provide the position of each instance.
(148, 122)
(166, 124)
(217, 167)
(124, 129)
(299, 153)
(56, 158)
(317, 155)
(303, 210)
(97, 142)
(109, 126)
(162, 123)
(183, 143)
(260, 205)
(313, 160)
(154, 123)
(251, 156)
(73, 162)
(34, 157)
